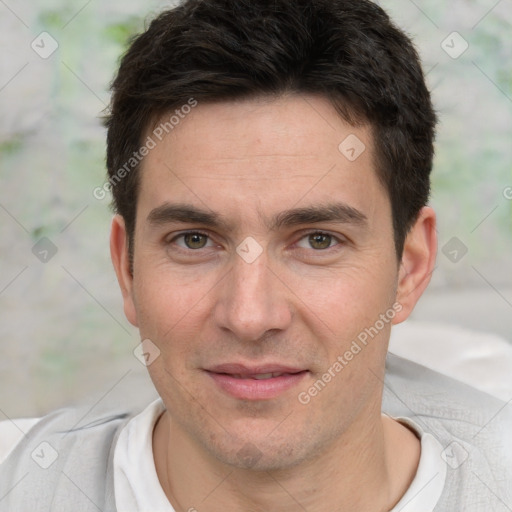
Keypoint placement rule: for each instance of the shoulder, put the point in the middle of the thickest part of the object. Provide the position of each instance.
(411, 388)
(12, 432)
(60, 449)
(69, 430)
(472, 427)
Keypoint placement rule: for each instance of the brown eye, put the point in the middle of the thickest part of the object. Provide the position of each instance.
(320, 241)
(195, 240)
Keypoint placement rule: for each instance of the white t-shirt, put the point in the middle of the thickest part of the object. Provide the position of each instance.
(136, 484)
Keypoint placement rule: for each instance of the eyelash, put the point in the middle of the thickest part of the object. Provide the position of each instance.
(304, 235)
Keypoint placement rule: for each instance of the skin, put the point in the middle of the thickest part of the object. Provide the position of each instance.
(299, 303)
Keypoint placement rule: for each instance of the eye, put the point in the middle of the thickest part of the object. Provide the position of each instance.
(318, 240)
(191, 240)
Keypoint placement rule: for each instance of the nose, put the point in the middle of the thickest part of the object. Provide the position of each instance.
(252, 300)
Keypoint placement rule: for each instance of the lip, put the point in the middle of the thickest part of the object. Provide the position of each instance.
(242, 369)
(237, 380)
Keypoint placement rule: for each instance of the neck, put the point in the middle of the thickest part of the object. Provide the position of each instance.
(368, 469)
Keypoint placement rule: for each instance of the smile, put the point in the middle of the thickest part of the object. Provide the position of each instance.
(245, 383)
(261, 376)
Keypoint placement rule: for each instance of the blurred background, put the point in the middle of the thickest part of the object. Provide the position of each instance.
(63, 335)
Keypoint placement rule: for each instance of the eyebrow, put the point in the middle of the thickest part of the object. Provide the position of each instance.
(189, 214)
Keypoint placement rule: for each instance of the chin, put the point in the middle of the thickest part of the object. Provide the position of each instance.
(251, 458)
(260, 453)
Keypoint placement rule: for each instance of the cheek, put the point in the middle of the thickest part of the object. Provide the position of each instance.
(171, 323)
(347, 300)
(169, 308)
(168, 300)
(356, 336)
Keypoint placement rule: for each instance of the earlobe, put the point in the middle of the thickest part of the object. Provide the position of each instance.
(121, 262)
(417, 264)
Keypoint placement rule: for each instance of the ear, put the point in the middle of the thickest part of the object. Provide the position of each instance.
(417, 264)
(121, 261)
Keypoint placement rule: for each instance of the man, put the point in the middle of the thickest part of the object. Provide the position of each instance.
(269, 162)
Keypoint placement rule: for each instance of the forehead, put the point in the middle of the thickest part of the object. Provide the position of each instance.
(261, 156)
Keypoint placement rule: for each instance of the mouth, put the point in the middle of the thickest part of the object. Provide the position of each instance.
(255, 383)
(260, 376)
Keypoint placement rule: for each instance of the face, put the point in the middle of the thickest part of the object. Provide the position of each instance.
(263, 257)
